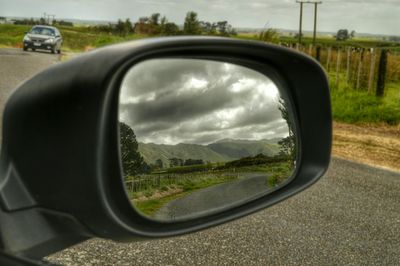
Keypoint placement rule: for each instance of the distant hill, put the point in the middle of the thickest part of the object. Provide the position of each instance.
(220, 151)
(151, 152)
(237, 149)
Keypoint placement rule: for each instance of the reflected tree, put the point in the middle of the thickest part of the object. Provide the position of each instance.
(288, 144)
(193, 162)
(174, 162)
(132, 160)
(159, 164)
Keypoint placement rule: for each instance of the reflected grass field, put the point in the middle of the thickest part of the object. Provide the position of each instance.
(154, 196)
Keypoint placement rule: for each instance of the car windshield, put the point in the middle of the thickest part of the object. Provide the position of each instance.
(43, 31)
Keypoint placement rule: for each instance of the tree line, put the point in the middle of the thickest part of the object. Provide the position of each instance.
(176, 162)
(43, 21)
(133, 163)
(155, 24)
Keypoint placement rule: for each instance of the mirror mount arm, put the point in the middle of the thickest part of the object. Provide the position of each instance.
(35, 233)
(28, 232)
(13, 193)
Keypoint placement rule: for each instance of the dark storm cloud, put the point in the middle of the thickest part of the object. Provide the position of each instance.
(361, 15)
(199, 101)
(168, 91)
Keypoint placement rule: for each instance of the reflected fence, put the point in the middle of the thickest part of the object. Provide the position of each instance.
(158, 181)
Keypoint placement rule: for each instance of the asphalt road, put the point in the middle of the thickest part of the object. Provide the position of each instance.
(350, 217)
(214, 198)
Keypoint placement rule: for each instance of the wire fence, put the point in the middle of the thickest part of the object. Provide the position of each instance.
(355, 67)
(157, 181)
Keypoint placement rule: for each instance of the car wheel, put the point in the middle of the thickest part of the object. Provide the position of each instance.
(33, 49)
(24, 48)
(59, 51)
(53, 50)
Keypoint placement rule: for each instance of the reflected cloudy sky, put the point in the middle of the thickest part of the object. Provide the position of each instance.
(171, 101)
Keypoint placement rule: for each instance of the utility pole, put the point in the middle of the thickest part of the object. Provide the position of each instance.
(53, 16)
(315, 20)
(315, 3)
(301, 20)
(47, 17)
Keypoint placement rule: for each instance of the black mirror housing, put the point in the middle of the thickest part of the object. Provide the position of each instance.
(60, 158)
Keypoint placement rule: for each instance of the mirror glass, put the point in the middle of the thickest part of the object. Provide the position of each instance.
(202, 136)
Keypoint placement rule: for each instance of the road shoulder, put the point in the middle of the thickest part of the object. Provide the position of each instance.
(375, 145)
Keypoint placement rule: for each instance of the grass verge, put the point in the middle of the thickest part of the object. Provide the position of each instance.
(76, 39)
(149, 207)
(357, 107)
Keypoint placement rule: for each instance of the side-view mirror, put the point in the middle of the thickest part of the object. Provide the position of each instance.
(158, 138)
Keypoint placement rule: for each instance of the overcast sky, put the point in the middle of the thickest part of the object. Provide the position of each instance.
(171, 101)
(367, 16)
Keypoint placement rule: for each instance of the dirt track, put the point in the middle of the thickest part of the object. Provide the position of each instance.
(374, 145)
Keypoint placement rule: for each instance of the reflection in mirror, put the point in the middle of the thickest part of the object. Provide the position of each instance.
(200, 136)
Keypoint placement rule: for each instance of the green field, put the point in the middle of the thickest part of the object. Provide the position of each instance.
(356, 42)
(79, 38)
(76, 39)
(12, 35)
(352, 106)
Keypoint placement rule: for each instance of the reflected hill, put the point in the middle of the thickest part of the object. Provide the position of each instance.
(224, 150)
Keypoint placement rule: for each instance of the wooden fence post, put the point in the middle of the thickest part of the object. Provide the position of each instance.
(338, 69)
(359, 72)
(318, 54)
(380, 88)
(348, 65)
(328, 60)
(310, 49)
(372, 70)
(398, 68)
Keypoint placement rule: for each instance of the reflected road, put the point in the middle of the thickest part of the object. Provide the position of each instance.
(222, 195)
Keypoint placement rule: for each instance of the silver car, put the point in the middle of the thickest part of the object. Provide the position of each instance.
(43, 38)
